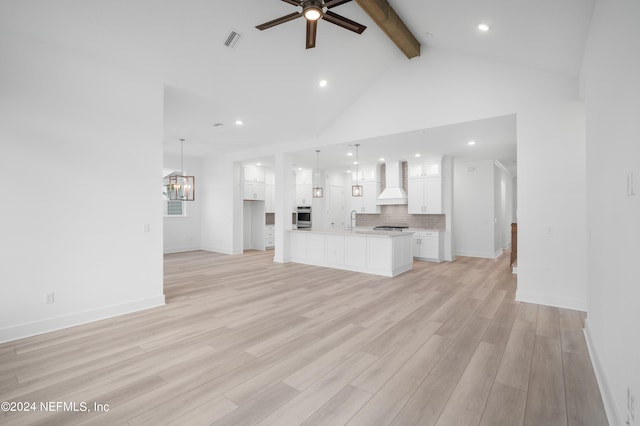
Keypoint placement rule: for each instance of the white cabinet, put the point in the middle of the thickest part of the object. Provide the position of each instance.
(269, 191)
(368, 203)
(269, 198)
(304, 195)
(427, 245)
(373, 254)
(254, 190)
(254, 174)
(269, 237)
(367, 174)
(253, 183)
(355, 252)
(425, 195)
(425, 167)
(304, 177)
(425, 186)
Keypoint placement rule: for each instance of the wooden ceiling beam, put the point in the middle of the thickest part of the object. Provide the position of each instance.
(388, 20)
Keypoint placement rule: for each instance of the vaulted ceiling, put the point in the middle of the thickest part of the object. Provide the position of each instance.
(269, 80)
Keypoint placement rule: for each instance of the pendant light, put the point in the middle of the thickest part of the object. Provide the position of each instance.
(182, 188)
(317, 189)
(356, 190)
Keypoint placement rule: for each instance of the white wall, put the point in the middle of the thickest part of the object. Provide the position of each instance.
(183, 233)
(611, 70)
(222, 218)
(82, 146)
(473, 200)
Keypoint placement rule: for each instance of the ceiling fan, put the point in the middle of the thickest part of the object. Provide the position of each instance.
(313, 11)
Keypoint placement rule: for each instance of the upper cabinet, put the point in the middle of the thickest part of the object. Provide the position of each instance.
(253, 183)
(304, 182)
(425, 167)
(368, 203)
(369, 178)
(254, 174)
(304, 177)
(367, 174)
(425, 187)
(269, 191)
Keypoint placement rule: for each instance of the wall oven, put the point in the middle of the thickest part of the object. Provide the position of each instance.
(304, 217)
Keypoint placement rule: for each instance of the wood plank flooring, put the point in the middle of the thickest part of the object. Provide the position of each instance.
(245, 341)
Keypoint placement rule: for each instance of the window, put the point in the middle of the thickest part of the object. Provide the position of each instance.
(171, 208)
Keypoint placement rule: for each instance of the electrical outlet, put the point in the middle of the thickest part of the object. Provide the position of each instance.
(48, 298)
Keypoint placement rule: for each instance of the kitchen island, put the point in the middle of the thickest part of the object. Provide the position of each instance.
(373, 252)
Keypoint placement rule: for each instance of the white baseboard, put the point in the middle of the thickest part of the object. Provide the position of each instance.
(605, 389)
(221, 250)
(545, 299)
(480, 254)
(52, 324)
(168, 250)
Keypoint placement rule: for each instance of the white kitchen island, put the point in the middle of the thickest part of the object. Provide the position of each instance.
(374, 252)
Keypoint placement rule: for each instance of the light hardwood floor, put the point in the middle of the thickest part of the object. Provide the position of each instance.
(244, 341)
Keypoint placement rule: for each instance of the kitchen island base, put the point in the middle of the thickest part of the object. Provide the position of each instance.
(379, 253)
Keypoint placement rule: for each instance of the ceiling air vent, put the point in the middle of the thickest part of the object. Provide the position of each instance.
(232, 39)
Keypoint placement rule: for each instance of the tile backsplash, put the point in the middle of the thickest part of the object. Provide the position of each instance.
(397, 215)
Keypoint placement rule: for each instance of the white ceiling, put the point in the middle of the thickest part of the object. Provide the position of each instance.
(269, 80)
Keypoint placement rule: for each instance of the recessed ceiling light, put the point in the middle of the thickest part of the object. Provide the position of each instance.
(239, 123)
(472, 142)
(355, 162)
(258, 164)
(323, 83)
(417, 155)
(299, 168)
(348, 171)
(349, 154)
(483, 27)
(381, 159)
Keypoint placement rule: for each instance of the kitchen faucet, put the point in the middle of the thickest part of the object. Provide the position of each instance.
(353, 219)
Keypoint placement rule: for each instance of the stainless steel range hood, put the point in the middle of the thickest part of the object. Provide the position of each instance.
(393, 193)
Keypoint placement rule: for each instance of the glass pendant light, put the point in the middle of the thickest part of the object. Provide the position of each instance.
(356, 190)
(318, 191)
(182, 188)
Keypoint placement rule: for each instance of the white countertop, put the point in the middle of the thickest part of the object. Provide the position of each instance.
(362, 232)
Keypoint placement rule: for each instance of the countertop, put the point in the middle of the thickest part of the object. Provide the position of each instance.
(363, 232)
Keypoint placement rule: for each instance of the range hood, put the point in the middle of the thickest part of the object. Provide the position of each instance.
(393, 193)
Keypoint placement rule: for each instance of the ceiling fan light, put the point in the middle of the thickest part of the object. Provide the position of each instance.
(312, 13)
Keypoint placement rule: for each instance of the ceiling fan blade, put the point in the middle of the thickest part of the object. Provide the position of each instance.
(343, 22)
(333, 3)
(312, 27)
(294, 2)
(279, 21)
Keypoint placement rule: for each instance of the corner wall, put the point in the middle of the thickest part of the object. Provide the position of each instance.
(83, 143)
(611, 70)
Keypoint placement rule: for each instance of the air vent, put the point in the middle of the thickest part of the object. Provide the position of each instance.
(232, 39)
(218, 124)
